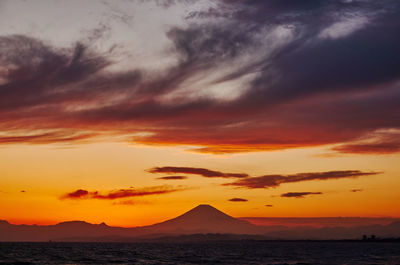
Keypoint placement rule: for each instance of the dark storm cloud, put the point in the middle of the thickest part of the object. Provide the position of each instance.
(299, 194)
(197, 171)
(118, 194)
(332, 80)
(272, 181)
(238, 200)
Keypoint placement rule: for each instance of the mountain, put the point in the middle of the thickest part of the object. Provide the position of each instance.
(205, 219)
(10, 232)
(203, 222)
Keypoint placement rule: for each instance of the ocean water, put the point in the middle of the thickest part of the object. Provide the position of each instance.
(242, 252)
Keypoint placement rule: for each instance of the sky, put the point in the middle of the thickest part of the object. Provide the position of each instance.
(132, 112)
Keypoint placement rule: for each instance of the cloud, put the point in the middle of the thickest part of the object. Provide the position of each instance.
(172, 177)
(356, 190)
(130, 202)
(272, 181)
(344, 28)
(121, 193)
(48, 137)
(238, 200)
(127, 202)
(299, 194)
(76, 194)
(244, 180)
(380, 142)
(197, 171)
(269, 205)
(295, 76)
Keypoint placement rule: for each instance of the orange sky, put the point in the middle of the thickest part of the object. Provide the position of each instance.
(47, 172)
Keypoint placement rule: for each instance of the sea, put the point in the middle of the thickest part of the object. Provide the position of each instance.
(238, 252)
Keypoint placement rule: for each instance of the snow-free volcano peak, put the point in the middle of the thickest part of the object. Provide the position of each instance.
(205, 218)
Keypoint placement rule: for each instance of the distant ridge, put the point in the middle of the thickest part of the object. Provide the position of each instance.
(203, 222)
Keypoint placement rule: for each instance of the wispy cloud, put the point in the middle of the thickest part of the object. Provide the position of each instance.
(244, 180)
(126, 202)
(121, 193)
(58, 136)
(172, 178)
(299, 194)
(272, 181)
(197, 171)
(238, 200)
(380, 142)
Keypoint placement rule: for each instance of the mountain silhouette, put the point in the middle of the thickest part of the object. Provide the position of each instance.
(201, 222)
(205, 219)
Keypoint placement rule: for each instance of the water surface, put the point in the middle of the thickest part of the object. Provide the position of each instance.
(242, 252)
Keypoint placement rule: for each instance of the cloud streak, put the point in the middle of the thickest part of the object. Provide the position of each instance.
(172, 178)
(299, 195)
(197, 171)
(244, 180)
(49, 137)
(381, 142)
(273, 181)
(238, 200)
(81, 194)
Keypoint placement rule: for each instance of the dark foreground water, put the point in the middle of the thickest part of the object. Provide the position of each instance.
(201, 253)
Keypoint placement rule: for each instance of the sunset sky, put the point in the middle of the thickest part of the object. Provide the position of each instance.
(131, 112)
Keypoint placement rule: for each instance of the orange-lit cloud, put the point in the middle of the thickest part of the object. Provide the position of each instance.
(272, 181)
(197, 171)
(129, 202)
(119, 194)
(238, 200)
(381, 142)
(172, 178)
(50, 137)
(78, 194)
(299, 194)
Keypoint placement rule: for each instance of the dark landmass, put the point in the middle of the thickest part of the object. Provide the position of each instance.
(320, 221)
(202, 223)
